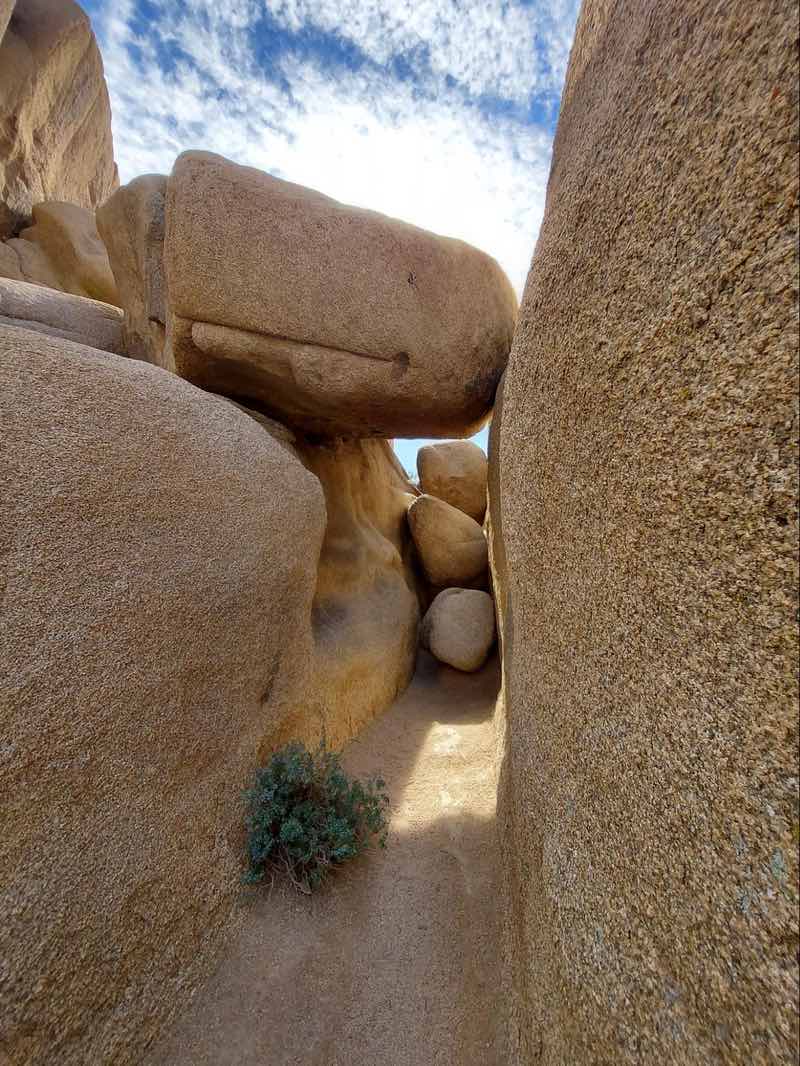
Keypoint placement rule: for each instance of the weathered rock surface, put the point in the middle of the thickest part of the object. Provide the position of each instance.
(62, 250)
(459, 628)
(6, 7)
(647, 475)
(338, 320)
(366, 609)
(450, 544)
(455, 471)
(55, 118)
(58, 314)
(131, 223)
(9, 262)
(159, 557)
(23, 261)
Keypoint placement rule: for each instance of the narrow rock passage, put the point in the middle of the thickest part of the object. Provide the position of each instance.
(396, 963)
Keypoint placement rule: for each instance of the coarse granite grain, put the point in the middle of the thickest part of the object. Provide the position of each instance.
(644, 482)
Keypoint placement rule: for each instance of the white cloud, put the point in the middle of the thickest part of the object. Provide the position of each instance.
(420, 149)
(488, 46)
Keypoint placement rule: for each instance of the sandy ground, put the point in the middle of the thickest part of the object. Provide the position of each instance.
(396, 963)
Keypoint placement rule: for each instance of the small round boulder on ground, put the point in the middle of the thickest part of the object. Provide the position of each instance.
(450, 544)
(459, 628)
(455, 471)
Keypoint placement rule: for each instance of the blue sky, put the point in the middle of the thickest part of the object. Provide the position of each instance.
(440, 112)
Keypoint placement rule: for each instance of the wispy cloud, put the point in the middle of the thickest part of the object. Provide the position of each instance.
(508, 50)
(430, 110)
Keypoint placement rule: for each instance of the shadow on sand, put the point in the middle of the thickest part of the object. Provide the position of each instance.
(396, 962)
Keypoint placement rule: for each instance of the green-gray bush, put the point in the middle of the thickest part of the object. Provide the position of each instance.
(306, 816)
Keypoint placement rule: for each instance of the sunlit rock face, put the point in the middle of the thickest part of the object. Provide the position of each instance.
(131, 224)
(455, 471)
(337, 320)
(158, 559)
(55, 117)
(61, 250)
(366, 608)
(60, 314)
(643, 506)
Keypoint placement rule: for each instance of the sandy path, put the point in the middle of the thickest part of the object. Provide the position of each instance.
(396, 963)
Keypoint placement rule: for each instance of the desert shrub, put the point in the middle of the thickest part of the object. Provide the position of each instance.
(306, 816)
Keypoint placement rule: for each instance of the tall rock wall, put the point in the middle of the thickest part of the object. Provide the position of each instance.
(643, 500)
(55, 117)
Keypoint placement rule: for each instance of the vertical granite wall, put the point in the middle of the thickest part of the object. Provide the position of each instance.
(644, 483)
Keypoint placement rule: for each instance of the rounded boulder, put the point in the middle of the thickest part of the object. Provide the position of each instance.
(455, 471)
(451, 545)
(459, 628)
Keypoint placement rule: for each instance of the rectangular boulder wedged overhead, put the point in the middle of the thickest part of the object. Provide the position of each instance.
(388, 330)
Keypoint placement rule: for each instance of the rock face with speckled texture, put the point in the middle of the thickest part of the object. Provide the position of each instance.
(455, 471)
(55, 117)
(61, 250)
(458, 628)
(333, 319)
(643, 506)
(158, 560)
